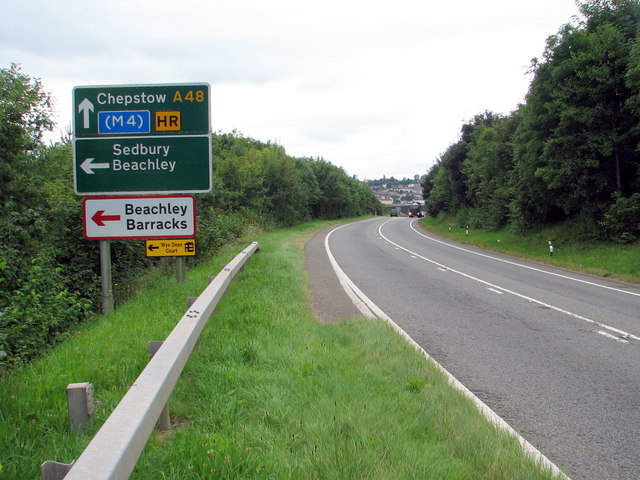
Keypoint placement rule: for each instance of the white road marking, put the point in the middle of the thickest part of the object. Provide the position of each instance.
(529, 299)
(524, 266)
(344, 280)
(364, 304)
(612, 337)
(495, 291)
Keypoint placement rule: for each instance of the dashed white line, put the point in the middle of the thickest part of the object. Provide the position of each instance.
(505, 290)
(619, 290)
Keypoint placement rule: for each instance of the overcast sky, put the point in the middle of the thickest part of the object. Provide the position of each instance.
(378, 88)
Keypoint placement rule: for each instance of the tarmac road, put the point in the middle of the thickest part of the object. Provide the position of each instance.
(554, 353)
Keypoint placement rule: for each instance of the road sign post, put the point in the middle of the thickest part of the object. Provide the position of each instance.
(105, 273)
(140, 139)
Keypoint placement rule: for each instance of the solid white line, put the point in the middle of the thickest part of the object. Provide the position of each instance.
(342, 278)
(352, 290)
(593, 284)
(529, 299)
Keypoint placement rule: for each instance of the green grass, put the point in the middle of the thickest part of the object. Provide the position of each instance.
(269, 392)
(605, 260)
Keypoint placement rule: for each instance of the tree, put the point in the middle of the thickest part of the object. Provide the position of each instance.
(427, 182)
(283, 188)
(440, 198)
(592, 137)
(335, 199)
(25, 114)
(576, 143)
(452, 161)
(36, 303)
(488, 168)
(572, 150)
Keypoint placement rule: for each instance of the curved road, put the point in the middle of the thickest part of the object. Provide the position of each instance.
(554, 353)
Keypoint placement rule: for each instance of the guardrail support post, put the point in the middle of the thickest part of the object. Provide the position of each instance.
(54, 471)
(164, 421)
(81, 405)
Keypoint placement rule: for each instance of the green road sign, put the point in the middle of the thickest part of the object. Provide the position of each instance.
(131, 139)
(181, 109)
(142, 164)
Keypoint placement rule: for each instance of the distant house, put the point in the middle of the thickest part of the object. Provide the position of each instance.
(398, 192)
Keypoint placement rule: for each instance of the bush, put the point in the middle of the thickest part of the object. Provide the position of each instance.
(463, 216)
(621, 221)
(217, 230)
(38, 313)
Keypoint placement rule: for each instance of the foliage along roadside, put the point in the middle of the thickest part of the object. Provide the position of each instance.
(49, 274)
(570, 152)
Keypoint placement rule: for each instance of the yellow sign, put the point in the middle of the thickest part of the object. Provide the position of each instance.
(171, 248)
(168, 121)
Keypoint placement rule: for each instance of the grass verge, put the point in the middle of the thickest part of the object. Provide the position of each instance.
(621, 262)
(268, 392)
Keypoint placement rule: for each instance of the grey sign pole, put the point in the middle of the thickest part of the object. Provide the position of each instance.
(105, 271)
(181, 269)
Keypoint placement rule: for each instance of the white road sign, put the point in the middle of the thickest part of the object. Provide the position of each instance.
(143, 217)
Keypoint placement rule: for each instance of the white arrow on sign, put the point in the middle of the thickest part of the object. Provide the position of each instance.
(85, 107)
(88, 165)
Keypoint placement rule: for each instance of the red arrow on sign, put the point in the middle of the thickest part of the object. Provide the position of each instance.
(99, 218)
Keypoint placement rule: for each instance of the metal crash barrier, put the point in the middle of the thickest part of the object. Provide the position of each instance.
(115, 449)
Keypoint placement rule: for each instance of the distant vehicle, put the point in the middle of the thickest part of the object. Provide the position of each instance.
(415, 211)
(394, 211)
